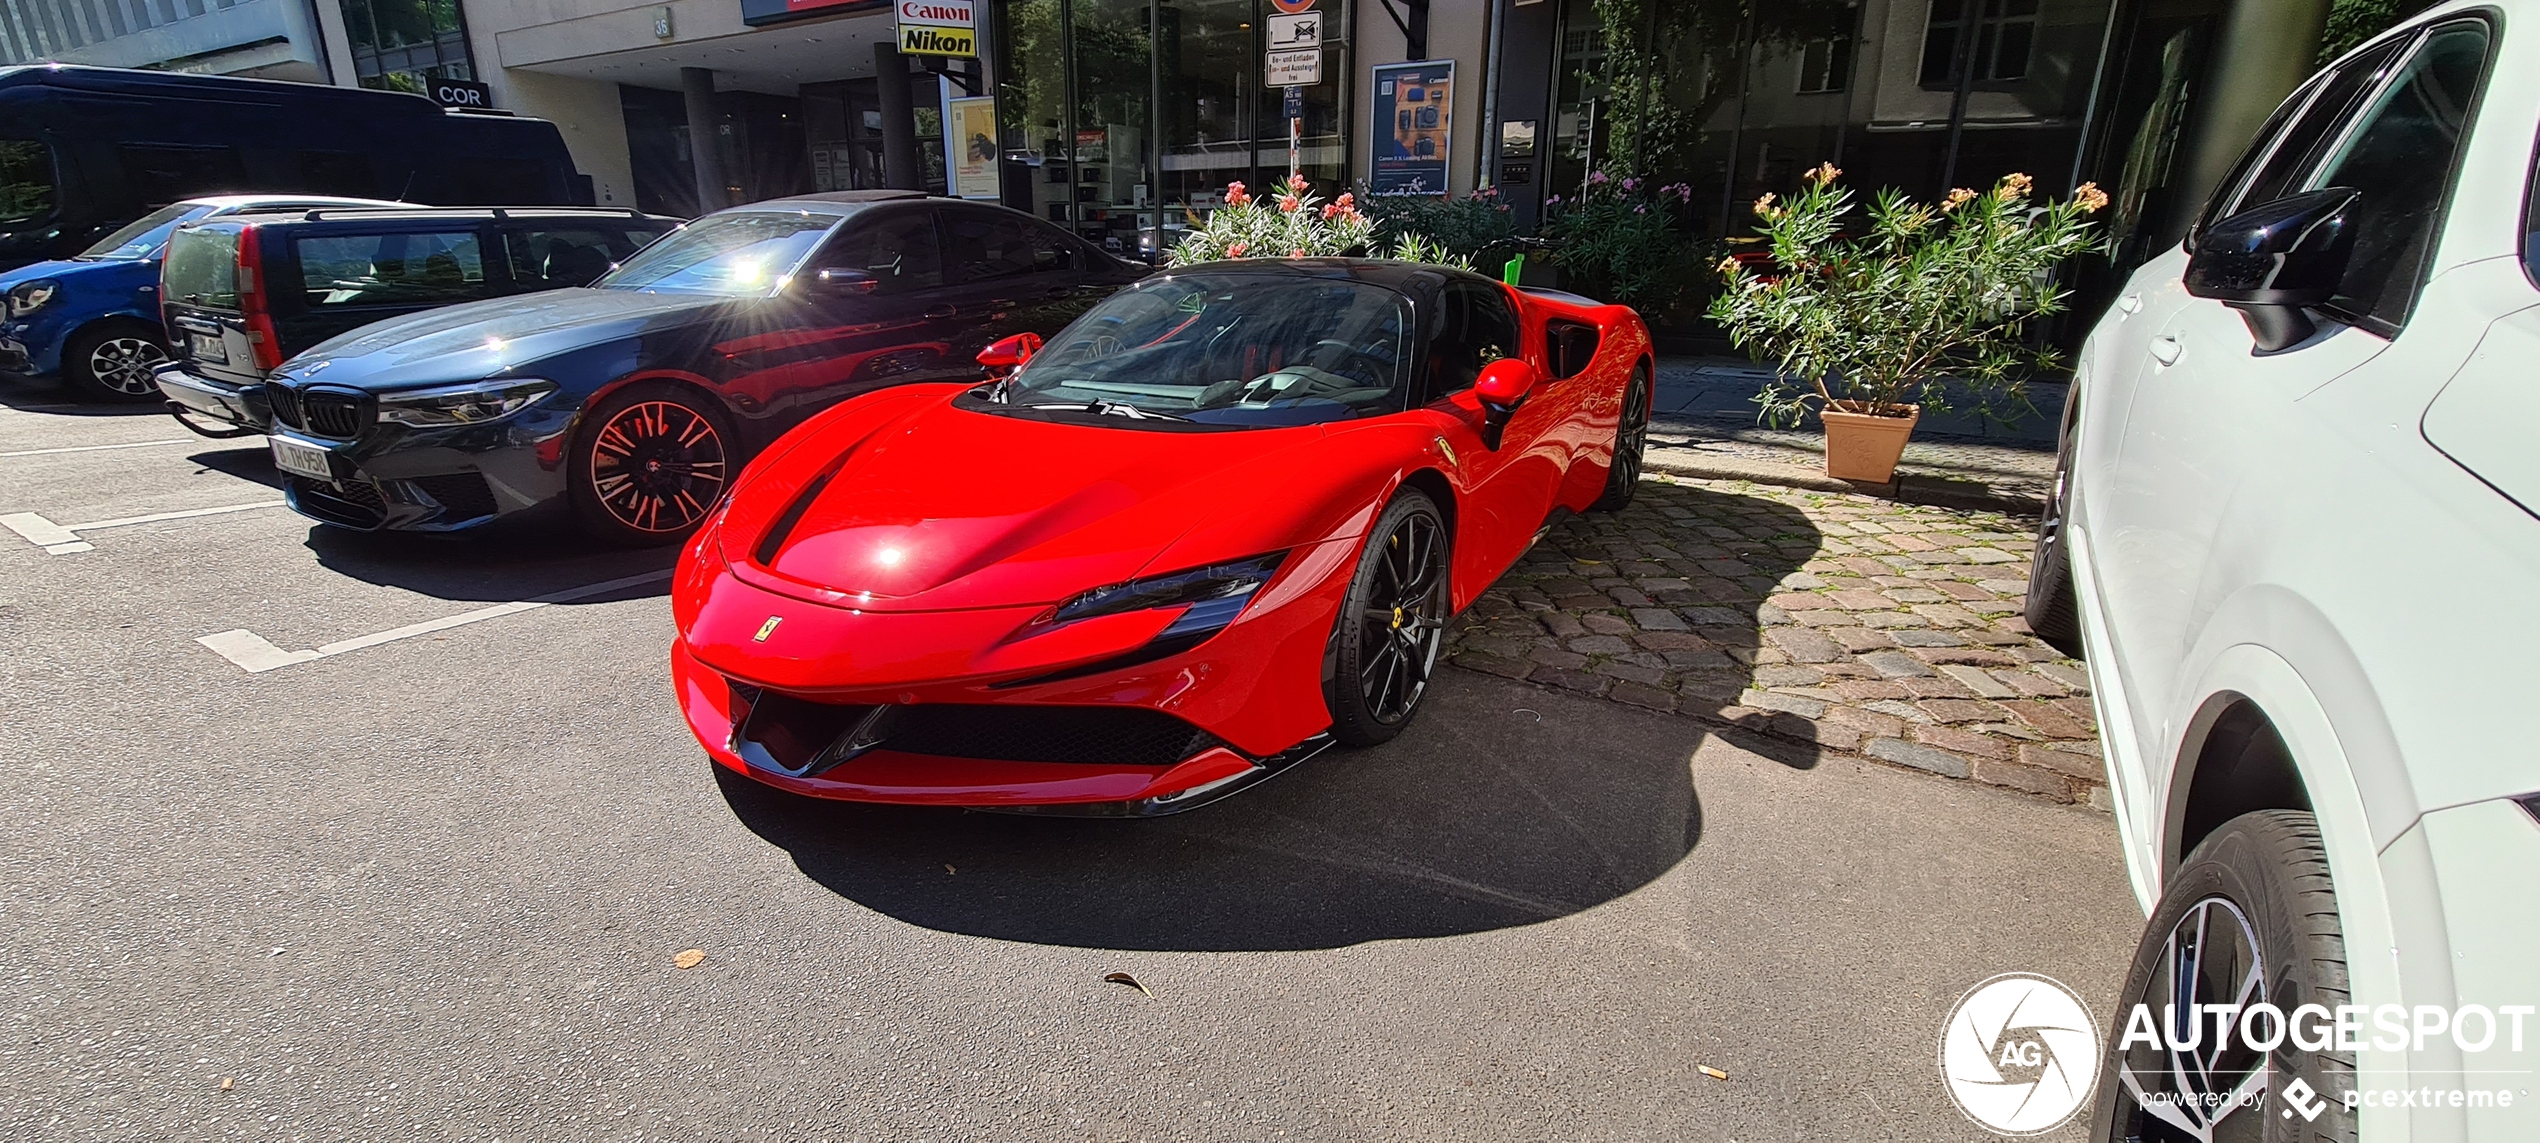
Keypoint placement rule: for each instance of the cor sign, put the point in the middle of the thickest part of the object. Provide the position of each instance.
(938, 28)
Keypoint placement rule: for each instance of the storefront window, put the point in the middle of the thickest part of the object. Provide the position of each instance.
(1089, 145)
(402, 45)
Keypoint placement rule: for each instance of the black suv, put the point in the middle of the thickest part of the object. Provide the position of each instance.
(243, 293)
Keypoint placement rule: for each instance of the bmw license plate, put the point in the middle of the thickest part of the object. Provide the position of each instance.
(301, 460)
(207, 347)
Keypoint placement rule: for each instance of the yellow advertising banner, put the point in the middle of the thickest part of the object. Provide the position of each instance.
(970, 146)
(932, 41)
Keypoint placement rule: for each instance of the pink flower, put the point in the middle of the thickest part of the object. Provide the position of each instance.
(1554, 200)
(1237, 250)
(1330, 209)
(1631, 184)
(1347, 201)
(1596, 178)
(1299, 252)
(1297, 183)
(1235, 195)
(1287, 205)
(1642, 209)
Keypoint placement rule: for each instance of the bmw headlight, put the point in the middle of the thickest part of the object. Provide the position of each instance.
(473, 403)
(27, 297)
(1218, 590)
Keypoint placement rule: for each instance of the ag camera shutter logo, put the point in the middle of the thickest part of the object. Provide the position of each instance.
(2020, 1054)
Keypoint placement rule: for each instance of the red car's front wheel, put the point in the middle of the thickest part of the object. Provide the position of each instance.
(1392, 624)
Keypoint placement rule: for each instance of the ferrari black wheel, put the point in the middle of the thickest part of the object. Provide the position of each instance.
(111, 361)
(1631, 439)
(1392, 625)
(2250, 918)
(649, 465)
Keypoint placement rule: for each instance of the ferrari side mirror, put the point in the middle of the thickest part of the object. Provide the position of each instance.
(1503, 387)
(1009, 354)
(2270, 262)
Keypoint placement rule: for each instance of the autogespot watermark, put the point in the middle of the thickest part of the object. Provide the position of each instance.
(2020, 1055)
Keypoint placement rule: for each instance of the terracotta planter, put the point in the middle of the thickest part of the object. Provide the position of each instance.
(1864, 447)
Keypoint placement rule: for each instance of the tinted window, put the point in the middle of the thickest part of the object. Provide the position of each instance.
(1475, 328)
(202, 267)
(739, 253)
(2331, 102)
(26, 180)
(2401, 155)
(897, 249)
(391, 269)
(477, 181)
(985, 246)
(546, 259)
(143, 237)
(158, 174)
(337, 172)
(1231, 350)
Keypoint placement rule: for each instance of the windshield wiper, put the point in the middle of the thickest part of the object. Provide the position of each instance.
(1110, 409)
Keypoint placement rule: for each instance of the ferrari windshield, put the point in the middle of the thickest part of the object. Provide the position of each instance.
(1248, 350)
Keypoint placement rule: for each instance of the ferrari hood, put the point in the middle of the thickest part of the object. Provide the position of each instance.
(945, 507)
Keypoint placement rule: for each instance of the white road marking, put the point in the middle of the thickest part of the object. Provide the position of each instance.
(255, 654)
(55, 539)
(63, 539)
(188, 514)
(97, 448)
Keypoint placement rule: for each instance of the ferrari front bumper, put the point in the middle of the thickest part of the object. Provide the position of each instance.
(1012, 715)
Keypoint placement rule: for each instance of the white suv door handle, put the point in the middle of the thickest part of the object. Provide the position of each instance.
(2166, 350)
(2130, 303)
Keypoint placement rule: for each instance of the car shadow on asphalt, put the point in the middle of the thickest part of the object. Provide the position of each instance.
(51, 398)
(249, 462)
(1506, 803)
(508, 560)
(1502, 805)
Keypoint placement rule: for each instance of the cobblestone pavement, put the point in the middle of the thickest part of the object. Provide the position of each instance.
(1831, 621)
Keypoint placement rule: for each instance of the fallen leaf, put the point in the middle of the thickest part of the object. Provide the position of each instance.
(1125, 978)
(689, 958)
(948, 869)
(226, 1083)
(1712, 1072)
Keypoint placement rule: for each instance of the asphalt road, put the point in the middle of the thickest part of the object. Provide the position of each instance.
(431, 887)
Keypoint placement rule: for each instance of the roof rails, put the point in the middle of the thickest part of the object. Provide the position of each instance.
(497, 212)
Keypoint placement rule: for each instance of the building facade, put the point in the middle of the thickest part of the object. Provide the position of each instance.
(1125, 120)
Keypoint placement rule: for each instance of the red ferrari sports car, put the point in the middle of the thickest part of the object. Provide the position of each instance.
(1218, 524)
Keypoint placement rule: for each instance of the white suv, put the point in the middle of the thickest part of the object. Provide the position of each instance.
(2294, 535)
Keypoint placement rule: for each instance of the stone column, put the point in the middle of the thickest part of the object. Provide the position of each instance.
(900, 169)
(705, 129)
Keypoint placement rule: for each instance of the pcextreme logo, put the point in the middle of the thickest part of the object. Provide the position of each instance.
(2020, 1054)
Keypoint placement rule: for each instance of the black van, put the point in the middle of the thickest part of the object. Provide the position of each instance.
(84, 150)
(243, 293)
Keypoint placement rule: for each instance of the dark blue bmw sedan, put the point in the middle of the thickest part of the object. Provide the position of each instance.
(632, 402)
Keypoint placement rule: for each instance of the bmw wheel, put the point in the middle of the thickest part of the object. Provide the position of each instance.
(2249, 918)
(111, 361)
(1392, 624)
(1631, 440)
(649, 464)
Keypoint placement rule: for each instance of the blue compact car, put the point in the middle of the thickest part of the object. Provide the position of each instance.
(94, 319)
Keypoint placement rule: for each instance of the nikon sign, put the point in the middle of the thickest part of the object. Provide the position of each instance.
(938, 28)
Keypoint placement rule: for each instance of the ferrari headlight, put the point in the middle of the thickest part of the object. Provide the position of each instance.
(27, 297)
(1220, 590)
(473, 403)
